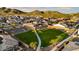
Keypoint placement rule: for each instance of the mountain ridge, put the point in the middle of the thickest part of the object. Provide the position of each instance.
(8, 11)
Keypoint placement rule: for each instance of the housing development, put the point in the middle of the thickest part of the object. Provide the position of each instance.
(38, 30)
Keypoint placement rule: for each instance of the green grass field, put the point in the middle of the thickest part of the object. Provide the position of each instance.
(51, 36)
(48, 37)
(29, 38)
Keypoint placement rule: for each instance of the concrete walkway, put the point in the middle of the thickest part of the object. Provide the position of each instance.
(39, 39)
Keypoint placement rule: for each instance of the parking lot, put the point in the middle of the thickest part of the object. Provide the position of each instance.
(17, 31)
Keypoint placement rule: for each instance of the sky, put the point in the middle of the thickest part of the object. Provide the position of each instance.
(60, 9)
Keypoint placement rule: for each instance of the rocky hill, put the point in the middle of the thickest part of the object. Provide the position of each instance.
(55, 14)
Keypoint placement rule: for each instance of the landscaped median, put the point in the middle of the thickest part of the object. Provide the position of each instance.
(48, 37)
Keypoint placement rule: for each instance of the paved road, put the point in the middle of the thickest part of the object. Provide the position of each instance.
(67, 39)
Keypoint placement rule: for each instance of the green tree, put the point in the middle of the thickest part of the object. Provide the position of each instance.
(33, 45)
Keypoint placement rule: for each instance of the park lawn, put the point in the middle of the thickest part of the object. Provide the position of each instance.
(27, 37)
(51, 36)
(48, 37)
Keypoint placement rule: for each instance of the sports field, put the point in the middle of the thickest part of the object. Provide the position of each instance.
(48, 37)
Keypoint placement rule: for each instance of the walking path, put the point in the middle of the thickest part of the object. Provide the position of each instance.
(39, 39)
